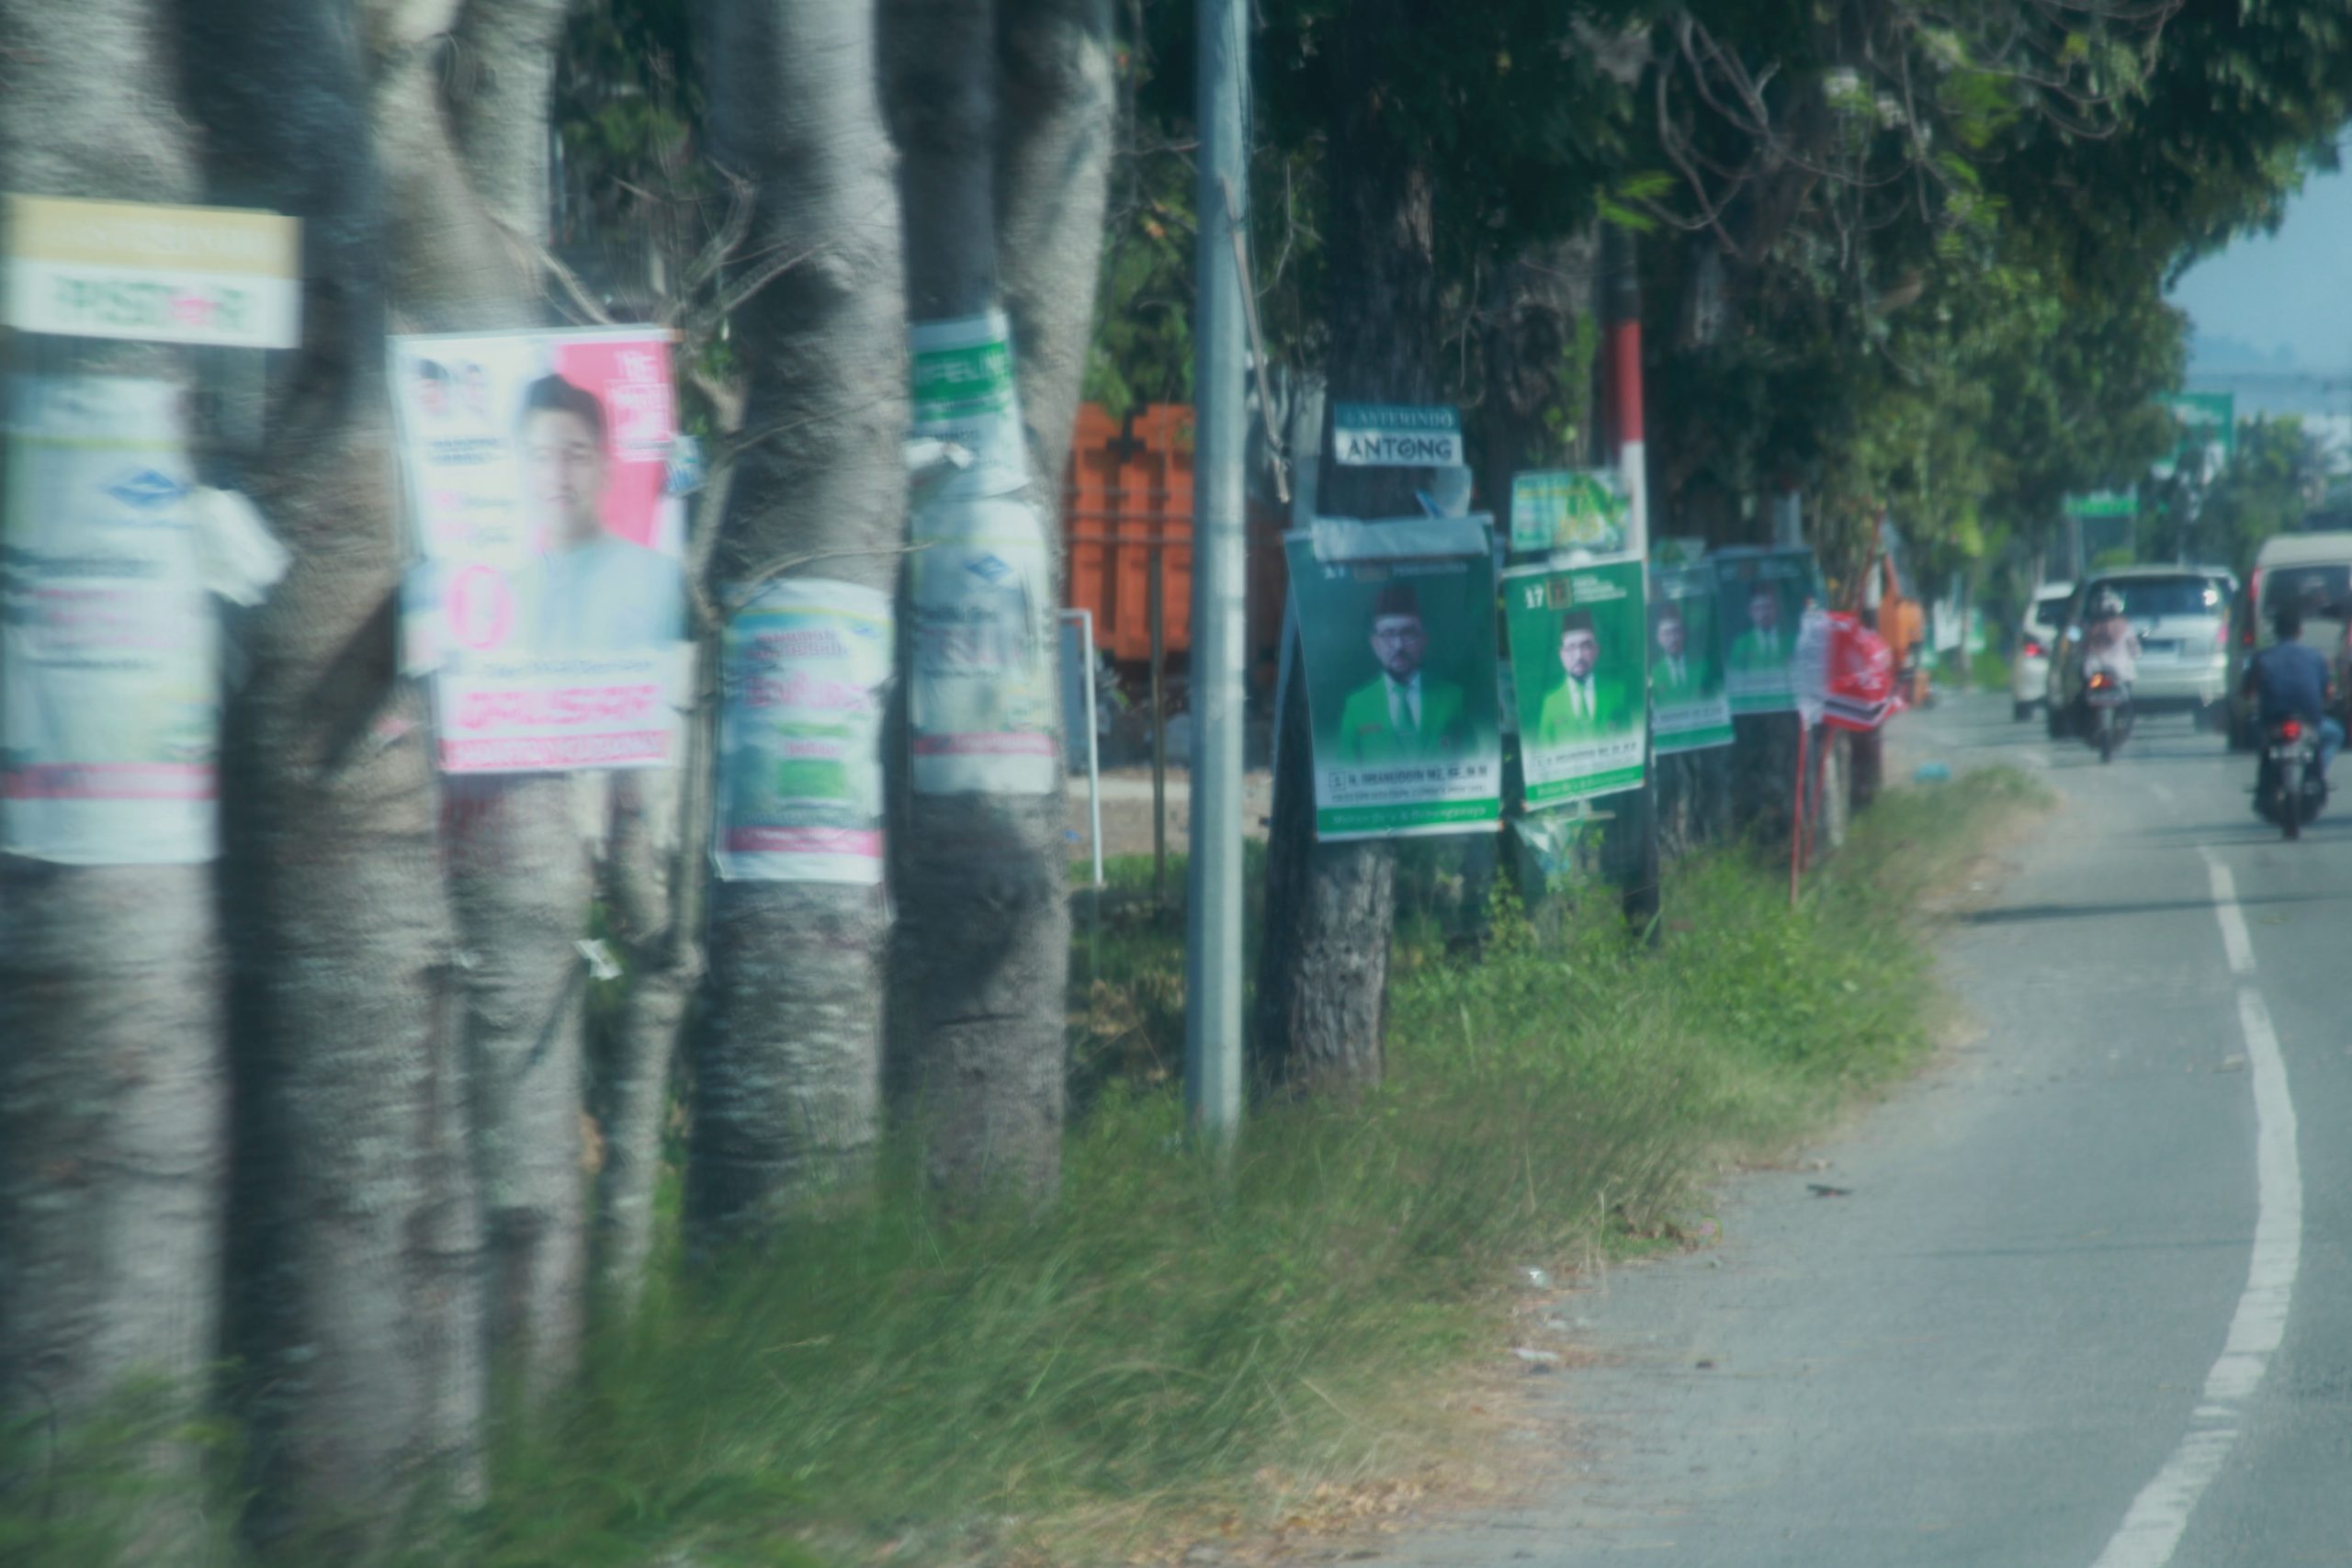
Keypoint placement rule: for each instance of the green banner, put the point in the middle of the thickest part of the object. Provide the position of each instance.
(1399, 668)
(1689, 711)
(1569, 509)
(1577, 638)
(2104, 503)
(1762, 596)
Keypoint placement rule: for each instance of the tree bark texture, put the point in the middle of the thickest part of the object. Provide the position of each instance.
(654, 864)
(788, 1062)
(1057, 123)
(1323, 975)
(979, 973)
(1542, 331)
(460, 107)
(113, 1072)
(355, 1243)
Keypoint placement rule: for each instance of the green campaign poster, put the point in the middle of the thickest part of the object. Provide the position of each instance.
(1569, 509)
(1577, 638)
(1762, 595)
(1399, 650)
(1689, 711)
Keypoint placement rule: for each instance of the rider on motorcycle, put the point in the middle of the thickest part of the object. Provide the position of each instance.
(2291, 682)
(2108, 641)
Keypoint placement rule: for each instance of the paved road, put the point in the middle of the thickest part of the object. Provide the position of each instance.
(2089, 1303)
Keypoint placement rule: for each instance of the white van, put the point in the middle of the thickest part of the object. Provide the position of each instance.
(2312, 569)
(2044, 619)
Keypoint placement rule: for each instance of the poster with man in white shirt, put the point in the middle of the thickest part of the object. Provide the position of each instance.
(592, 589)
(551, 600)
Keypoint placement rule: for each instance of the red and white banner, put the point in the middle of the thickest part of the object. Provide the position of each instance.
(1846, 674)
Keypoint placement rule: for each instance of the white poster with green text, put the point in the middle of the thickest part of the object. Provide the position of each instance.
(982, 696)
(805, 678)
(965, 394)
(110, 644)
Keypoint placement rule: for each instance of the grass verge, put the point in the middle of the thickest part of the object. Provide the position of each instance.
(1174, 1343)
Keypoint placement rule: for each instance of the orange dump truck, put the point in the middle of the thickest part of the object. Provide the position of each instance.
(1129, 496)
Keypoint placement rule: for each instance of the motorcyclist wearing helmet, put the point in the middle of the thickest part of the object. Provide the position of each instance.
(2291, 681)
(2108, 641)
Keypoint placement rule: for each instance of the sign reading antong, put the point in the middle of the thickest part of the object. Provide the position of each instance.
(119, 269)
(1395, 436)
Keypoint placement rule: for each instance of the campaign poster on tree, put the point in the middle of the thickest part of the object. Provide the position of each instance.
(1569, 509)
(110, 645)
(551, 597)
(1399, 646)
(1689, 711)
(1576, 658)
(805, 678)
(1761, 596)
(981, 692)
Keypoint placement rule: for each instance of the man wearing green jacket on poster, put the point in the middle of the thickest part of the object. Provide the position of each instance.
(1672, 679)
(1402, 714)
(1585, 706)
(1763, 646)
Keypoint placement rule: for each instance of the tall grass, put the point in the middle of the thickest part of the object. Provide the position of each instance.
(885, 1381)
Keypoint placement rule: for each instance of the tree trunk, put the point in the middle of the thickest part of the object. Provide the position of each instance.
(788, 1064)
(981, 965)
(113, 1078)
(1054, 143)
(355, 1243)
(463, 230)
(1323, 976)
(1538, 346)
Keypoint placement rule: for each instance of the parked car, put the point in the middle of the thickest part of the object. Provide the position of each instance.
(2312, 569)
(2183, 619)
(2037, 630)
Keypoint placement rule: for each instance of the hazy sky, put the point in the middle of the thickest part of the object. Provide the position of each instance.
(2284, 291)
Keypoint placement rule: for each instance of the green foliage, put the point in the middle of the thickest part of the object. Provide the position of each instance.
(2277, 475)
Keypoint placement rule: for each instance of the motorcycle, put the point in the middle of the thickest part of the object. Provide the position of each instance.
(2106, 702)
(2289, 789)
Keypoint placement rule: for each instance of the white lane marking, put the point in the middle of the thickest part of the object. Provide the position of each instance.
(2236, 940)
(2150, 1532)
(2160, 792)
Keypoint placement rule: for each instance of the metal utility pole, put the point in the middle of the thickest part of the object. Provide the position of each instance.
(1220, 546)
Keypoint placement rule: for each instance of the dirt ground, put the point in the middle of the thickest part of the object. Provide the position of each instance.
(1126, 809)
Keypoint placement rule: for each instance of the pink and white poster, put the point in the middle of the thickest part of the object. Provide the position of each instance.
(551, 598)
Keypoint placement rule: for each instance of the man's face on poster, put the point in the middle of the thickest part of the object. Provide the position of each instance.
(1579, 651)
(1764, 610)
(1399, 642)
(431, 395)
(564, 467)
(477, 384)
(1670, 636)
